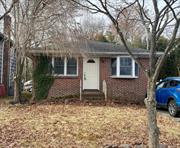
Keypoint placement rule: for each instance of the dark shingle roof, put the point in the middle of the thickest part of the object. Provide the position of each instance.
(94, 48)
(105, 47)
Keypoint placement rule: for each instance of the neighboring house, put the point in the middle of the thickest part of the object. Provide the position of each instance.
(93, 63)
(7, 65)
(1, 55)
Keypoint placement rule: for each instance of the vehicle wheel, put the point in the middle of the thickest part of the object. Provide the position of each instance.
(172, 108)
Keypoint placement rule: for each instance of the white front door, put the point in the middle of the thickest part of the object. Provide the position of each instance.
(91, 73)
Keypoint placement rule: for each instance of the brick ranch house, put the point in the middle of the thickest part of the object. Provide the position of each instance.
(98, 67)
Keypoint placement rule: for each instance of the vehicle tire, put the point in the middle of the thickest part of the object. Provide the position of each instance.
(172, 108)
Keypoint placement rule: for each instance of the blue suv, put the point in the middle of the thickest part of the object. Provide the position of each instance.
(168, 95)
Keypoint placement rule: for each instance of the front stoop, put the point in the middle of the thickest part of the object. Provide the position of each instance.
(93, 96)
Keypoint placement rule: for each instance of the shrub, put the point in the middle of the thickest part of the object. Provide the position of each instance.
(42, 78)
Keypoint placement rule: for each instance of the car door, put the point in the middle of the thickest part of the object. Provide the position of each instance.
(168, 91)
(164, 93)
(161, 92)
(158, 92)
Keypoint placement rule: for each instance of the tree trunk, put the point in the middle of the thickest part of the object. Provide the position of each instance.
(17, 80)
(17, 89)
(152, 114)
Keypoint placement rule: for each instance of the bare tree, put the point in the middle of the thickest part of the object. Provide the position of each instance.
(91, 28)
(24, 15)
(130, 25)
(154, 24)
(6, 8)
(39, 23)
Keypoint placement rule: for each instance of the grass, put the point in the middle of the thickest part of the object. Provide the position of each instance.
(80, 126)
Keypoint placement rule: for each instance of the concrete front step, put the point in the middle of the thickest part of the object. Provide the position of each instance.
(93, 95)
(94, 102)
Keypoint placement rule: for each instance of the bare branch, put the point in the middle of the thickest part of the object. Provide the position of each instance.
(155, 5)
(129, 5)
(96, 9)
(7, 10)
(143, 16)
(161, 29)
(115, 23)
(4, 5)
(172, 10)
(167, 50)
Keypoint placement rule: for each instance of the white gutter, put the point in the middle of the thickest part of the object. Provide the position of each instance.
(58, 51)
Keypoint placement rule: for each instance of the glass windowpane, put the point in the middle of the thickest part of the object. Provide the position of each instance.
(125, 66)
(113, 66)
(136, 69)
(59, 66)
(71, 66)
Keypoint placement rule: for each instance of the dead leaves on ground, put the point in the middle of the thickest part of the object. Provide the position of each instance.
(80, 126)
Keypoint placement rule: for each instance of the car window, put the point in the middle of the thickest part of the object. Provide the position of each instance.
(163, 84)
(173, 83)
(160, 85)
(178, 82)
(166, 84)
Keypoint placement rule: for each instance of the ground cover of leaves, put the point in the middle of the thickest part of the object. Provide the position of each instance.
(53, 125)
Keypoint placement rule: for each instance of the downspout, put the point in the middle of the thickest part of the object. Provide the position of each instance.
(9, 68)
(2, 61)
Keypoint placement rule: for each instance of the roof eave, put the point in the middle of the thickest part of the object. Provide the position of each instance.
(93, 54)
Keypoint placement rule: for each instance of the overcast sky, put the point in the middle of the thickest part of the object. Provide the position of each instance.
(103, 18)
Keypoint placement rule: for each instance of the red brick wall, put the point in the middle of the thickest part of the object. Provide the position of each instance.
(129, 90)
(66, 86)
(123, 89)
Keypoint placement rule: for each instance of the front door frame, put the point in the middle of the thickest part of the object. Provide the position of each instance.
(98, 73)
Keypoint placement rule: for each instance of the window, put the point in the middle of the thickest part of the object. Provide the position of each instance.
(166, 84)
(64, 66)
(59, 66)
(71, 66)
(113, 66)
(90, 61)
(161, 84)
(173, 83)
(124, 67)
(136, 69)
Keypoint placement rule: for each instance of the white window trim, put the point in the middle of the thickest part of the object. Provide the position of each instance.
(118, 69)
(65, 68)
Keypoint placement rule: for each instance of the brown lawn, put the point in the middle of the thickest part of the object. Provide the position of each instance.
(80, 126)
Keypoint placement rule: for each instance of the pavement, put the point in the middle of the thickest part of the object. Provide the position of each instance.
(165, 113)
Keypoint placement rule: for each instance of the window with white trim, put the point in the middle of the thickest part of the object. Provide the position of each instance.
(71, 66)
(124, 67)
(59, 66)
(65, 66)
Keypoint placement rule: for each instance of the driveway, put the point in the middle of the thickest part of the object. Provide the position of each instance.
(165, 113)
